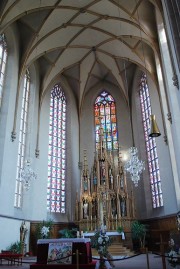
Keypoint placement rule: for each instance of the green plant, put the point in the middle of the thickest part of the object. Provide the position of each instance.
(139, 232)
(15, 247)
(67, 233)
(120, 229)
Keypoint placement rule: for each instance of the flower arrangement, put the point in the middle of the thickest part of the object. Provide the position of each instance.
(101, 242)
(44, 229)
(174, 254)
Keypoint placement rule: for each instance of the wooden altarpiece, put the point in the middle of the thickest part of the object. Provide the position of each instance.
(104, 196)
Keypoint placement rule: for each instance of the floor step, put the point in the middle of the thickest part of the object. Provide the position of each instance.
(115, 250)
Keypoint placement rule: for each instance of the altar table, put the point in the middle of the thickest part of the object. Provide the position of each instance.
(81, 244)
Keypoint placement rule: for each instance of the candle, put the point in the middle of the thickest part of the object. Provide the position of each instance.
(82, 234)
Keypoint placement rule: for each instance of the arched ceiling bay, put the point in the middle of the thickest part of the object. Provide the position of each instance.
(86, 41)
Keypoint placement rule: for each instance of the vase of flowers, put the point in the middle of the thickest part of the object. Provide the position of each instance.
(101, 242)
(44, 229)
(173, 254)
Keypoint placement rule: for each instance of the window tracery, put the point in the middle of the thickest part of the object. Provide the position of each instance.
(57, 152)
(22, 139)
(105, 115)
(153, 163)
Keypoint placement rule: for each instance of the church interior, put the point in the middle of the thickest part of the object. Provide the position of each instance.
(89, 112)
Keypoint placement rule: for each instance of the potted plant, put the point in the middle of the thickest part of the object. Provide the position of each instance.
(138, 231)
(120, 229)
(15, 247)
(67, 233)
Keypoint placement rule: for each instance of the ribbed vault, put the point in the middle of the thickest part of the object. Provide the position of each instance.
(86, 41)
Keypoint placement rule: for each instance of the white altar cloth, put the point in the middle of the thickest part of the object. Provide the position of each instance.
(74, 240)
(107, 233)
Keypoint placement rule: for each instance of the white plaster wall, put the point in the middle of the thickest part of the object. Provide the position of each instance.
(38, 203)
(173, 102)
(9, 222)
(171, 40)
(9, 149)
(143, 192)
(10, 232)
(28, 196)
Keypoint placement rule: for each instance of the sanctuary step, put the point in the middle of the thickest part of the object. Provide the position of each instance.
(116, 249)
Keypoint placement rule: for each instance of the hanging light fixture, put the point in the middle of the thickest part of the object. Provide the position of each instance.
(134, 166)
(27, 175)
(154, 130)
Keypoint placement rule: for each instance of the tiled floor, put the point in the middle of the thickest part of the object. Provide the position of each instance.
(136, 262)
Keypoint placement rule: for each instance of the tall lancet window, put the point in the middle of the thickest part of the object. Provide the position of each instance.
(57, 152)
(3, 59)
(153, 162)
(105, 114)
(22, 140)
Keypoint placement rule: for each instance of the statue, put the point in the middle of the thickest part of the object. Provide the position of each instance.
(94, 207)
(95, 180)
(23, 232)
(103, 173)
(123, 206)
(85, 185)
(85, 207)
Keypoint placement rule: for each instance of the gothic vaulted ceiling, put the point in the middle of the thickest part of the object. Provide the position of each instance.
(86, 41)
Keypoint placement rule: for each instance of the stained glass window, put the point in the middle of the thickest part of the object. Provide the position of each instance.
(105, 115)
(22, 140)
(153, 162)
(3, 59)
(57, 152)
